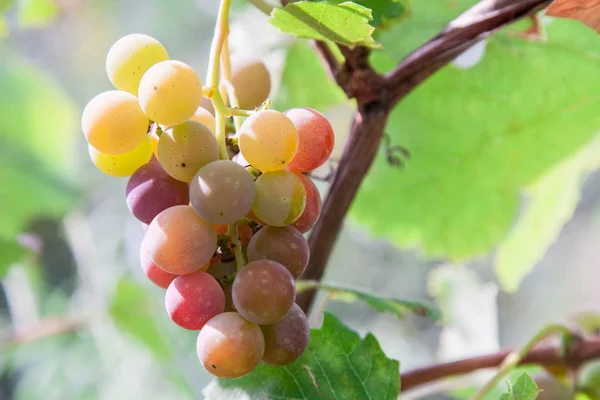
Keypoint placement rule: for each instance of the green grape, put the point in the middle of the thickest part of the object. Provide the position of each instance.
(179, 241)
(170, 92)
(251, 81)
(286, 245)
(268, 140)
(286, 339)
(263, 292)
(204, 116)
(130, 57)
(229, 346)
(280, 198)
(185, 148)
(114, 123)
(222, 192)
(122, 164)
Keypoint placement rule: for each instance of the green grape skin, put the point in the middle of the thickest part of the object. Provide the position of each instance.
(120, 165)
(204, 116)
(113, 122)
(170, 92)
(250, 79)
(179, 241)
(229, 346)
(280, 198)
(130, 57)
(285, 245)
(268, 140)
(222, 192)
(185, 148)
(263, 292)
(287, 339)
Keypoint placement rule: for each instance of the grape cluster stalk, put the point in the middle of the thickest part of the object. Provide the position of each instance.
(224, 224)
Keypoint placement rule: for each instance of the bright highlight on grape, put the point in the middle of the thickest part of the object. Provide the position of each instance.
(224, 237)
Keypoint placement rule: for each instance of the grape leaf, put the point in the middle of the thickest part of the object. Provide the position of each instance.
(385, 12)
(10, 253)
(478, 136)
(586, 11)
(36, 13)
(131, 309)
(395, 306)
(293, 91)
(336, 365)
(346, 23)
(523, 389)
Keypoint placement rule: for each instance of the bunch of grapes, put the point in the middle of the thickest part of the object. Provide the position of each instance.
(224, 237)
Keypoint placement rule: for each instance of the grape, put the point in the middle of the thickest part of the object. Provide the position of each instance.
(159, 277)
(316, 139)
(229, 346)
(286, 339)
(179, 241)
(114, 123)
(151, 190)
(245, 233)
(221, 229)
(204, 116)
(263, 292)
(222, 192)
(251, 81)
(220, 270)
(170, 92)
(185, 148)
(285, 245)
(191, 300)
(280, 198)
(130, 57)
(207, 105)
(120, 165)
(312, 211)
(268, 140)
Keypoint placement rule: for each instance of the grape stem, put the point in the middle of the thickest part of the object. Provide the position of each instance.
(237, 247)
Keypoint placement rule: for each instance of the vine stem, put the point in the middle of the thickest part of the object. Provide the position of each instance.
(240, 261)
(513, 359)
(229, 89)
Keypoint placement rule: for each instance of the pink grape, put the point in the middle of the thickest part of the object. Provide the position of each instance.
(316, 139)
(156, 275)
(191, 300)
(263, 292)
(285, 245)
(151, 190)
(229, 346)
(312, 210)
(287, 339)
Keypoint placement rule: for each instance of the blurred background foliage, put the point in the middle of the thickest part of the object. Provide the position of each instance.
(495, 217)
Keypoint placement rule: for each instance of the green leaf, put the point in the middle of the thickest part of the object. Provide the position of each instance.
(478, 137)
(10, 253)
(5, 4)
(336, 365)
(523, 389)
(36, 13)
(302, 62)
(552, 202)
(346, 23)
(395, 306)
(132, 310)
(385, 12)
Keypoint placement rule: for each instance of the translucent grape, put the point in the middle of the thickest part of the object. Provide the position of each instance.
(151, 190)
(312, 211)
(287, 339)
(229, 346)
(316, 139)
(263, 292)
(170, 92)
(114, 123)
(285, 245)
(222, 192)
(204, 116)
(280, 198)
(120, 165)
(207, 105)
(179, 241)
(268, 140)
(185, 148)
(191, 300)
(251, 80)
(245, 234)
(130, 57)
(156, 275)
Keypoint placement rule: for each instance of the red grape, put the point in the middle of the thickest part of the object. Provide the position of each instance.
(312, 210)
(286, 339)
(285, 245)
(159, 277)
(316, 139)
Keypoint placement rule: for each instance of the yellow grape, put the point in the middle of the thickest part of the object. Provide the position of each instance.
(185, 148)
(207, 105)
(251, 80)
(170, 92)
(280, 198)
(122, 164)
(204, 116)
(114, 123)
(268, 140)
(130, 57)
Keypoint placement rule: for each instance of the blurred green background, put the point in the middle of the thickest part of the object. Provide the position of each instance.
(502, 180)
